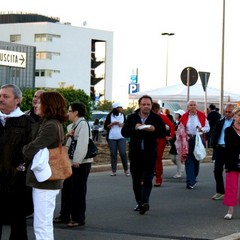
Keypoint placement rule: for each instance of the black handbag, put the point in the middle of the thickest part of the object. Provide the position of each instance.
(92, 148)
(73, 145)
(72, 148)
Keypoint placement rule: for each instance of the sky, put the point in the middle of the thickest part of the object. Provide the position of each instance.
(138, 41)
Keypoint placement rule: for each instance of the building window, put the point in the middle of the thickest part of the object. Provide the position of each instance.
(46, 55)
(45, 73)
(44, 37)
(15, 38)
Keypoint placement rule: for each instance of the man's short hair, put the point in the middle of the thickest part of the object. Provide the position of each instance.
(156, 106)
(144, 96)
(212, 107)
(16, 90)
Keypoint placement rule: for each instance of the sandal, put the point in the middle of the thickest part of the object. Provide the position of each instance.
(75, 224)
(57, 220)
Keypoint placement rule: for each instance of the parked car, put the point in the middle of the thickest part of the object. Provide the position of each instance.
(101, 115)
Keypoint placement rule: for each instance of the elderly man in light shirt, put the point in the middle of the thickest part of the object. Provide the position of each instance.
(193, 120)
(220, 151)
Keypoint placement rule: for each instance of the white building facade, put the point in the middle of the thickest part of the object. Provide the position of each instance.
(66, 55)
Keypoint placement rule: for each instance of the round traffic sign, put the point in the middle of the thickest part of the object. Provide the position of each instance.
(189, 76)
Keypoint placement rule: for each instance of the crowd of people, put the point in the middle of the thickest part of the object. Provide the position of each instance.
(24, 135)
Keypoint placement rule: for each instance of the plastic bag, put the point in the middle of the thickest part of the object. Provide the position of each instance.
(199, 149)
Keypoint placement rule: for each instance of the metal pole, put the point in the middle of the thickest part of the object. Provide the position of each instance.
(167, 62)
(188, 82)
(205, 102)
(222, 66)
(167, 34)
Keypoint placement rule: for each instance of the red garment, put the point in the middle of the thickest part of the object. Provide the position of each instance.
(181, 142)
(169, 123)
(161, 143)
(201, 117)
(231, 197)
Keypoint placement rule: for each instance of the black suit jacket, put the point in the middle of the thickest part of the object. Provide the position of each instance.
(138, 136)
(212, 118)
(217, 132)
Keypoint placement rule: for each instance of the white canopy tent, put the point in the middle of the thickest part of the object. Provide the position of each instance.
(179, 93)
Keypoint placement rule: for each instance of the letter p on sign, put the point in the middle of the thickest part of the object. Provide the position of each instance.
(133, 88)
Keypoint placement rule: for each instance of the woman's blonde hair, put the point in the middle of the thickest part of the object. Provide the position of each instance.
(235, 111)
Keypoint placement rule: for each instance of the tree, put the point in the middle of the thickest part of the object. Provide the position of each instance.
(79, 95)
(69, 94)
(104, 105)
(26, 103)
(130, 109)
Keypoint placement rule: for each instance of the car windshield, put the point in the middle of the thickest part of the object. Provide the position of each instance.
(98, 115)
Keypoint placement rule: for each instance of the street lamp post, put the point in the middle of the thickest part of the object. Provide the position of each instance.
(168, 35)
(222, 63)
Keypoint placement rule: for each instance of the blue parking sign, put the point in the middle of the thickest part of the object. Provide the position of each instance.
(134, 78)
(133, 88)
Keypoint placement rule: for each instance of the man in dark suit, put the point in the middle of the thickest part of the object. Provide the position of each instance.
(143, 127)
(15, 132)
(218, 144)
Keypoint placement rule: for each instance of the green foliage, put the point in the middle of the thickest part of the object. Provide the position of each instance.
(79, 95)
(104, 106)
(130, 109)
(107, 106)
(27, 99)
(69, 94)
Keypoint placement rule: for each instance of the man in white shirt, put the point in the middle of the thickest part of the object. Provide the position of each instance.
(193, 120)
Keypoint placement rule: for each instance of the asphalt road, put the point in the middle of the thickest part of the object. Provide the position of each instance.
(175, 212)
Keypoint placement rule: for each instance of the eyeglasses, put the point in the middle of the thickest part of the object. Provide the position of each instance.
(228, 112)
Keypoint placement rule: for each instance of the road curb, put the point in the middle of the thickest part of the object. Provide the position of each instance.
(235, 236)
(166, 162)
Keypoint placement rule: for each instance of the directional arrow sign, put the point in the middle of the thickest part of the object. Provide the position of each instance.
(12, 59)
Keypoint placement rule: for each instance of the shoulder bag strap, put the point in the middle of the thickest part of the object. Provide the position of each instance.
(59, 137)
(88, 127)
(77, 125)
(87, 124)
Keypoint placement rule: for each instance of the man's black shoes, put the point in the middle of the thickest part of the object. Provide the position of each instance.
(137, 208)
(144, 208)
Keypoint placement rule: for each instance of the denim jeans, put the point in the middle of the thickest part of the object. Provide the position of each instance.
(116, 145)
(191, 164)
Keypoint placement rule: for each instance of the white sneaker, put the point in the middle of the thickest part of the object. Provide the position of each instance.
(218, 196)
(177, 176)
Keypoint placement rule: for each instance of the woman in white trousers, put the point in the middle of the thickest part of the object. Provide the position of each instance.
(52, 110)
